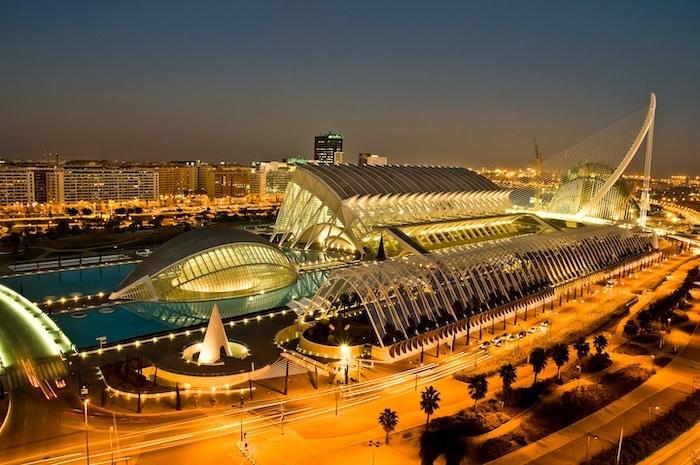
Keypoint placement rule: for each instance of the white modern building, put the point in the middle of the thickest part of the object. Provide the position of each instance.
(346, 206)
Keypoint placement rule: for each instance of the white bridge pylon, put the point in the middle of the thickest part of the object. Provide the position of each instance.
(646, 131)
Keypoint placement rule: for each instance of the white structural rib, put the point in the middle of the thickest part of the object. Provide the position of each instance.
(647, 128)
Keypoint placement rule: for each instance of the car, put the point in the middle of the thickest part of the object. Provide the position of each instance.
(532, 330)
(498, 343)
(545, 323)
(522, 334)
(484, 345)
(144, 252)
(511, 337)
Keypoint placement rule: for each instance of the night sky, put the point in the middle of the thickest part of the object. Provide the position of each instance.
(463, 83)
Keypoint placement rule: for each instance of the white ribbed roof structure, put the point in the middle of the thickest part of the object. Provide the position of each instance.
(338, 206)
(403, 293)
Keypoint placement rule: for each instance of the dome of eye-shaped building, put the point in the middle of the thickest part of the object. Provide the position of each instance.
(214, 262)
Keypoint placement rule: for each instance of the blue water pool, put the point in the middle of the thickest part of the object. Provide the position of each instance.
(138, 319)
(121, 324)
(37, 287)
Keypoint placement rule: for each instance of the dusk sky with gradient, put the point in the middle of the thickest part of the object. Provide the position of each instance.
(458, 83)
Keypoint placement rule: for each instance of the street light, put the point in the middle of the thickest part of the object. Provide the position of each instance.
(588, 442)
(345, 354)
(281, 410)
(111, 448)
(87, 441)
(578, 383)
(374, 445)
(652, 408)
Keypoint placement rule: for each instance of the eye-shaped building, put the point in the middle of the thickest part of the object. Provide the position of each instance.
(209, 263)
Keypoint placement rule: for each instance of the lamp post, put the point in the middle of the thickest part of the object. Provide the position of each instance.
(588, 442)
(281, 410)
(87, 440)
(652, 408)
(374, 445)
(578, 382)
(111, 447)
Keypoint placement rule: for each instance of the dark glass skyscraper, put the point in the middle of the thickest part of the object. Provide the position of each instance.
(325, 147)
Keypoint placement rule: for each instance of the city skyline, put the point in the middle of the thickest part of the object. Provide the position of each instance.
(244, 83)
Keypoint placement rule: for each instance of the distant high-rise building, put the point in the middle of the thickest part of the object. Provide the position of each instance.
(16, 186)
(103, 183)
(370, 159)
(48, 184)
(270, 178)
(177, 179)
(228, 181)
(326, 146)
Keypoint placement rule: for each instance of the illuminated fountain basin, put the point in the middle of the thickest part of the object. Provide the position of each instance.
(235, 349)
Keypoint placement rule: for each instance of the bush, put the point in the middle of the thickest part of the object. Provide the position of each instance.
(596, 363)
(654, 434)
(497, 447)
(442, 437)
(631, 349)
(647, 338)
(578, 403)
(525, 397)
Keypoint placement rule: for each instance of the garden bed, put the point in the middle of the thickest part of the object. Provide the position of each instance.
(655, 434)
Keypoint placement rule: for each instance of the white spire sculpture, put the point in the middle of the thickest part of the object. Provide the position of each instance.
(214, 339)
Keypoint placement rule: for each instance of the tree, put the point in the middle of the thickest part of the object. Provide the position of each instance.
(62, 226)
(72, 211)
(388, 419)
(560, 355)
(538, 360)
(86, 212)
(478, 386)
(582, 348)
(600, 342)
(178, 399)
(644, 319)
(508, 376)
(429, 402)
(631, 330)
(156, 221)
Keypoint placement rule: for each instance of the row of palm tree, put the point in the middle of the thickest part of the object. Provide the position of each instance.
(429, 403)
(478, 385)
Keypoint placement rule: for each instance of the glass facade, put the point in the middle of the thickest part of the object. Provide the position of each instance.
(225, 271)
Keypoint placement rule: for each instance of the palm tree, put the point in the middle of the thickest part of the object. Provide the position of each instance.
(600, 342)
(429, 402)
(560, 355)
(388, 419)
(631, 330)
(538, 360)
(582, 348)
(478, 387)
(508, 376)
